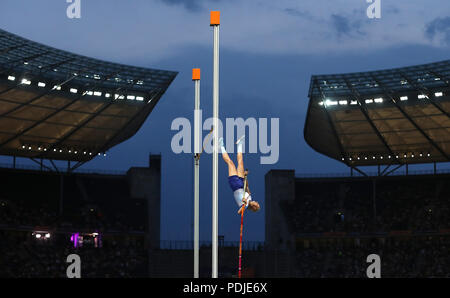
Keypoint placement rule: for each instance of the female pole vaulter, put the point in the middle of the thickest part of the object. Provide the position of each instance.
(236, 177)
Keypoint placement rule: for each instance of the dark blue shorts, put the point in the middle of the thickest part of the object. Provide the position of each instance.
(236, 182)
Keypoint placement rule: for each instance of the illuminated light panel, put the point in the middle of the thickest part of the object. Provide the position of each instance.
(329, 102)
(26, 82)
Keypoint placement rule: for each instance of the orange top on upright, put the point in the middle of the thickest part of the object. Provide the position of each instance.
(215, 18)
(196, 74)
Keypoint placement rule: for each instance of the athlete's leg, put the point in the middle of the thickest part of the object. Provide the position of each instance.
(231, 167)
(240, 158)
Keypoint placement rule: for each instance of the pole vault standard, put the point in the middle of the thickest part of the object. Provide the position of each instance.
(197, 151)
(215, 23)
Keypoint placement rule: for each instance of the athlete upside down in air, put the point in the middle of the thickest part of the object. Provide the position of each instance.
(236, 177)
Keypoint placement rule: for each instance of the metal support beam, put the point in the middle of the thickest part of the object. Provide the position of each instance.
(215, 23)
(54, 166)
(392, 171)
(41, 164)
(61, 194)
(374, 199)
(385, 169)
(359, 171)
(197, 151)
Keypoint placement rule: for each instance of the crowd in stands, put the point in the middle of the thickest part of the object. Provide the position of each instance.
(404, 220)
(414, 257)
(363, 206)
(63, 204)
(20, 213)
(23, 256)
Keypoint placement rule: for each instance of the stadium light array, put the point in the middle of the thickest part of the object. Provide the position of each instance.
(26, 82)
(40, 84)
(329, 102)
(381, 157)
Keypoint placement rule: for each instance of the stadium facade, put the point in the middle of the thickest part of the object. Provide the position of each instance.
(56, 105)
(329, 225)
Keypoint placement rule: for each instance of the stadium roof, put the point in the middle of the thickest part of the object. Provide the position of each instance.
(62, 106)
(397, 116)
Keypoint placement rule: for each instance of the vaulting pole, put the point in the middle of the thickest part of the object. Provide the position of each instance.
(242, 227)
(215, 23)
(240, 244)
(197, 151)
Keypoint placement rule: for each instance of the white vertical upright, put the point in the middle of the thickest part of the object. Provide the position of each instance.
(197, 151)
(215, 23)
